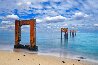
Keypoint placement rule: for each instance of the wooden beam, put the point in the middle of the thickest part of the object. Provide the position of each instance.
(25, 22)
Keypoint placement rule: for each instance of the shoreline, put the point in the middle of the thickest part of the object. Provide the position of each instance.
(69, 56)
(25, 58)
(75, 57)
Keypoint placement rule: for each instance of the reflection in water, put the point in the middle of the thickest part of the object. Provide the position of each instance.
(64, 42)
(66, 45)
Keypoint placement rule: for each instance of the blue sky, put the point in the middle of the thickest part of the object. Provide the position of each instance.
(50, 15)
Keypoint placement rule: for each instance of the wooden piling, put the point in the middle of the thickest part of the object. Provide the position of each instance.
(16, 32)
(61, 34)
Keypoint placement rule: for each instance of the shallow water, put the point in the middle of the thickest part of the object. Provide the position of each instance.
(83, 44)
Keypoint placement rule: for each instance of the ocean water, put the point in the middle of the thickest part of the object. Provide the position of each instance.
(82, 45)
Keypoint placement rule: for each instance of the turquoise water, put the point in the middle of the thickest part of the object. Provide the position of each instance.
(83, 44)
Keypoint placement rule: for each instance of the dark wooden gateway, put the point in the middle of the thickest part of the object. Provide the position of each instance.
(18, 24)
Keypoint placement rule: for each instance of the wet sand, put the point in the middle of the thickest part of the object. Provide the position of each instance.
(21, 58)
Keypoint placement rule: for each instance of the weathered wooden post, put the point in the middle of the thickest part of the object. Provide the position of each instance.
(70, 33)
(17, 32)
(66, 33)
(61, 33)
(32, 34)
(75, 32)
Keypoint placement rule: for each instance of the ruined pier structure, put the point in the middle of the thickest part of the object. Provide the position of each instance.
(65, 30)
(18, 24)
(72, 33)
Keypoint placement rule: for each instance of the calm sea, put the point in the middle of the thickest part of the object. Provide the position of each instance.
(83, 44)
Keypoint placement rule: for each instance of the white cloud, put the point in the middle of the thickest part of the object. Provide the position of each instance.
(24, 3)
(10, 17)
(81, 24)
(5, 22)
(80, 15)
(3, 27)
(19, 3)
(96, 25)
(38, 20)
(28, 3)
(8, 27)
(53, 11)
(65, 24)
(52, 19)
(37, 6)
(8, 22)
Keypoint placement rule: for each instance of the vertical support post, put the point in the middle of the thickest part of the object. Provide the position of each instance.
(70, 33)
(61, 33)
(35, 30)
(67, 34)
(16, 32)
(75, 32)
(32, 33)
(19, 32)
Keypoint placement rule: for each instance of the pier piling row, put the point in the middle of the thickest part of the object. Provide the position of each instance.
(72, 33)
(65, 30)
